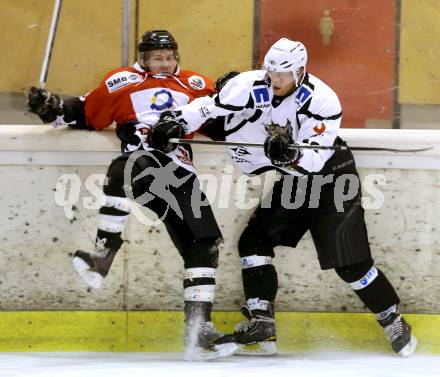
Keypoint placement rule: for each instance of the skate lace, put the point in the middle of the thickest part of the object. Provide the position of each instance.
(241, 326)
(245, 326)
(395, 330)
(208, 330)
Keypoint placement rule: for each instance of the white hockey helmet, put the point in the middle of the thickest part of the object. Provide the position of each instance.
(287, 56)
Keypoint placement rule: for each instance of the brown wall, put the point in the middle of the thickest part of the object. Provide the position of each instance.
(216, 36)
(213, 36)
(358, 61)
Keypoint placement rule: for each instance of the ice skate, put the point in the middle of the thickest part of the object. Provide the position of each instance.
(399, 334)
(93, 267)
(256, 335)
(203, 342)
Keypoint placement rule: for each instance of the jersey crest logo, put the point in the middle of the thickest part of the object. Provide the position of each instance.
(196, 82)
(162, 100)
(274, 129)
(261, 95)
(303, 95)
(319, 129)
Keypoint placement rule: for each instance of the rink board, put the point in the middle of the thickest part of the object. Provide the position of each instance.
(162, 331)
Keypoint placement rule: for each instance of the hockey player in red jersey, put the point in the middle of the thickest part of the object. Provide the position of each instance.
(134, 98)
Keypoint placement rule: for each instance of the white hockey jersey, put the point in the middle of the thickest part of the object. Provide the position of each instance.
(248, 103)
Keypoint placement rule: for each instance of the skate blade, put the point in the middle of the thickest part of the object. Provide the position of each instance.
(409, 349)
(91, 278)
(218, 351)
(257, 349)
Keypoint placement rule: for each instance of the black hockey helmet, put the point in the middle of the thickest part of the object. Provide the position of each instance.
(157, 40)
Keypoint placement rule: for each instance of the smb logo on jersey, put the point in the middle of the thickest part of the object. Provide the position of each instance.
(261, 97)
(121, 79)
(162, 100)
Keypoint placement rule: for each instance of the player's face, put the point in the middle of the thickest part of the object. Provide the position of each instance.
(282, 83)
(161, 61)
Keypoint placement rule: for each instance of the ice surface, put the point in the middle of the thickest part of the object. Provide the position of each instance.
(172, 364)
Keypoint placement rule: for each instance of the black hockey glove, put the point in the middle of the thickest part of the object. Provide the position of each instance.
(45, 104)
(222, 80)
(276, 146)
(165, 129)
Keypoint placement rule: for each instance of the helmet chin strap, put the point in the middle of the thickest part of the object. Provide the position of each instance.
(299, 81)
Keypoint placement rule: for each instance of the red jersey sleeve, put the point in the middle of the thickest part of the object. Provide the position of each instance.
(97, 104)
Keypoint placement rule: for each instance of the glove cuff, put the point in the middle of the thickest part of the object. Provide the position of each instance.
(292, 162)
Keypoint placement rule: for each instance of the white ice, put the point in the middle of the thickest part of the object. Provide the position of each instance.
(171, 364)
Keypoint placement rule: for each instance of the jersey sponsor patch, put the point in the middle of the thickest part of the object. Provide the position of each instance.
(240, 151)
(261, 97)
(204, 112)
(303, 95)
(161, 100)
(154, 100)
(239, 154)
(121, 79)
(368, 278)
(196, 82)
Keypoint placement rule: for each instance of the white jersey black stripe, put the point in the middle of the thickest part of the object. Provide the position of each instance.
(248, 103)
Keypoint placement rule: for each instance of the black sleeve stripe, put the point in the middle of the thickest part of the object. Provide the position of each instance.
(252, 119)
(264, 169)
(227, 107)
(260, 82)
(236, 128)
(251, 103)
(320, 117)
(305, 110)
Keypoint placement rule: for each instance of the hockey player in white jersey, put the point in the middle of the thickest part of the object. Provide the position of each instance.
(279, 105)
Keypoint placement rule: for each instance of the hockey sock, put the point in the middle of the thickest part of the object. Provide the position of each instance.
(199, 292)
(260, 277)
(386, 313)
(259, 307)
(112, 218)
(372, 287)
(198, 310)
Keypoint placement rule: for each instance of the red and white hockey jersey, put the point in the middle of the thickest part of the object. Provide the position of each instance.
(131, 95)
